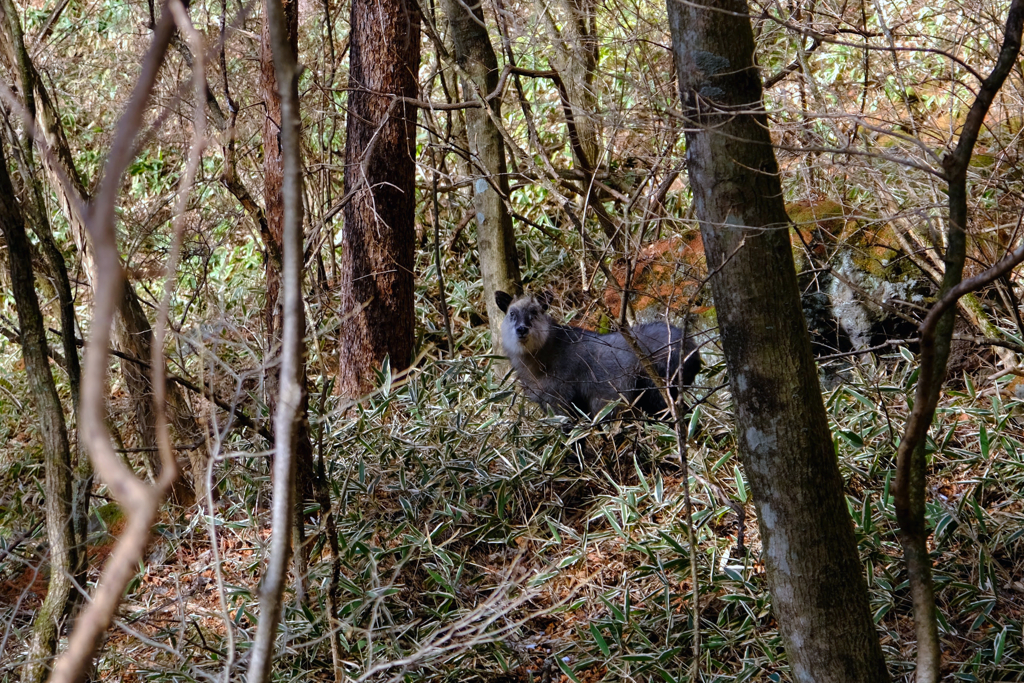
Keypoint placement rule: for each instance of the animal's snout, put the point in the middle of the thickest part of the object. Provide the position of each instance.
(522, 331)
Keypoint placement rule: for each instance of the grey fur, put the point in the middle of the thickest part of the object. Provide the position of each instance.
(568, 368)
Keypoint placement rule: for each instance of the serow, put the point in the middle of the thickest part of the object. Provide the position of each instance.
(572, 370)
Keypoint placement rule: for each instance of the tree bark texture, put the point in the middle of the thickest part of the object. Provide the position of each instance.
(37, 214)
(39, 107)
(134, 336)
(379, 233)
(274, 203)
(273, 171)
(819, 594)
(56, 448)
(290, 420)
(496, 242)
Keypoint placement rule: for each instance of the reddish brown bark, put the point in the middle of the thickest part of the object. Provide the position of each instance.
(379, 235)
(306, 485)
(273, 166)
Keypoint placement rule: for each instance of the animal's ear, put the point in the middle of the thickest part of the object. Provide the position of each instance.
(503, 299)
(545, 298)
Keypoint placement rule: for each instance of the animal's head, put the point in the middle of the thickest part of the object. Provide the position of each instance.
(527, 324)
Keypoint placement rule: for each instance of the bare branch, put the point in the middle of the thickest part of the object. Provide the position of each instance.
(290, 403)
(139, 500)
(936, 336)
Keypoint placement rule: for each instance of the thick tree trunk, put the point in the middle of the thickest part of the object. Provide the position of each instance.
(496, 242)
(814, 572)
(56, 449)
(379, 234)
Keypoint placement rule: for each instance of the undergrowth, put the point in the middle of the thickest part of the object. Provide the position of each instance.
(481, 540)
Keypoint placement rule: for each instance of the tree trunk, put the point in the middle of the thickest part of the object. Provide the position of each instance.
(56, 449)
(132, 330)
(274, 202)
(134, 336)
(575, 55)
(290, 425)
(496, 242)
(37, 102)
(379, 234)
(273, 177)
(819, 594)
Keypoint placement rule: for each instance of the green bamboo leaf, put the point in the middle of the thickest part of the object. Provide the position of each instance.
(599, 639)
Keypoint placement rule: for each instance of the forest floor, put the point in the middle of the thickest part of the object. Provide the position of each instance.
(483, 541)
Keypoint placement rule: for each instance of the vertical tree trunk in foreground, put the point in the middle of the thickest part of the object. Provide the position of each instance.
(275, 212)
(819, 595)
(495, 239)
(378, 235)
(290, 415)
(56, 449)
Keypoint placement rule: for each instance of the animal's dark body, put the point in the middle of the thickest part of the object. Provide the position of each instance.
(568, 368)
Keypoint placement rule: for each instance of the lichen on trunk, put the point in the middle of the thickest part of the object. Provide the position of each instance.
(819, 593)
